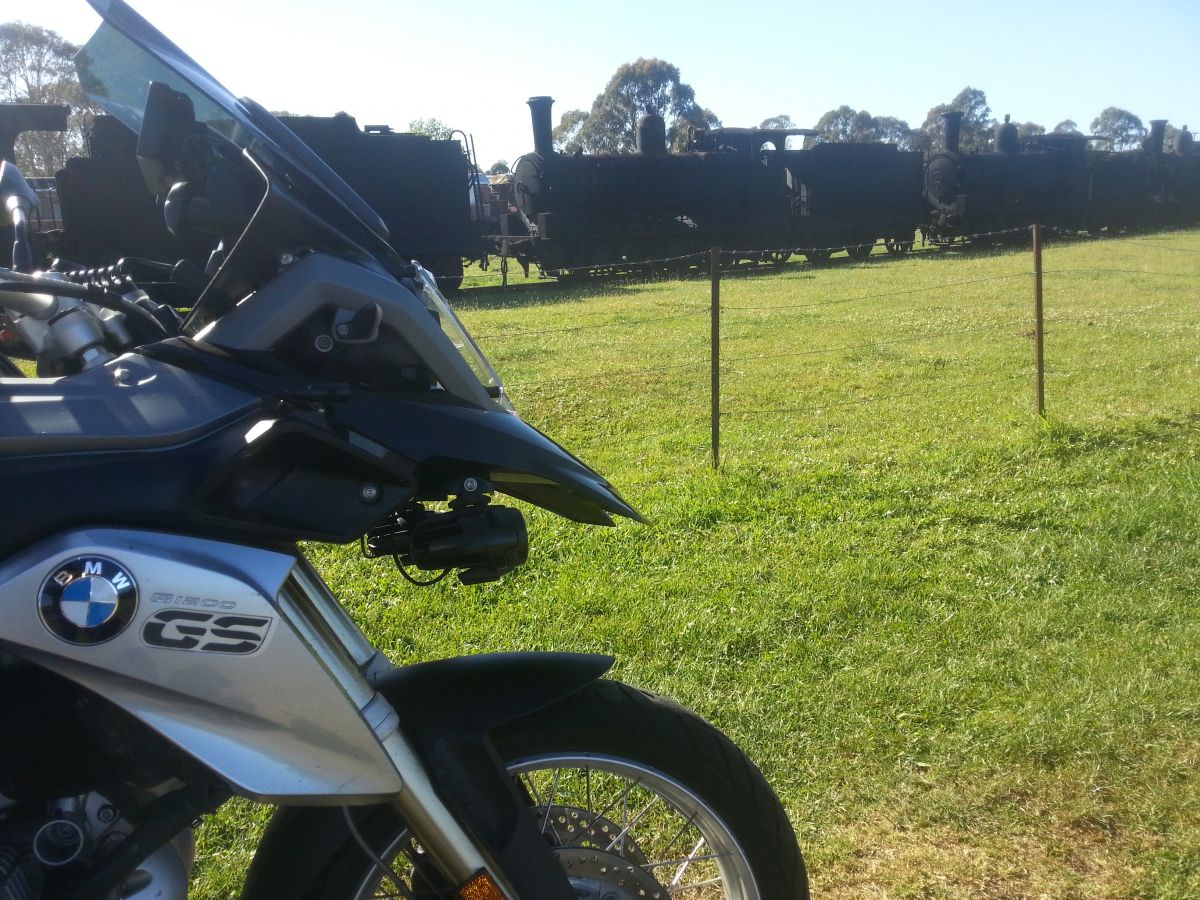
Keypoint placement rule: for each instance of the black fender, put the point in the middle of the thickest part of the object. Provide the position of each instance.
(447, 709)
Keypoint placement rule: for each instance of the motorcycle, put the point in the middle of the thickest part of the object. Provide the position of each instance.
(164, 643)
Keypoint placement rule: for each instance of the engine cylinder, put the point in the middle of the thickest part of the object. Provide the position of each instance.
(543, 129)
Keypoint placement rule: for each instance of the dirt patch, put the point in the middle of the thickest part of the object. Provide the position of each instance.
(892, 860)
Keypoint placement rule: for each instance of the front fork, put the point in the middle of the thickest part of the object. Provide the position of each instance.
(467, 767)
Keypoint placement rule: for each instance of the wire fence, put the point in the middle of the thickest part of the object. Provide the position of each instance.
(746, 359)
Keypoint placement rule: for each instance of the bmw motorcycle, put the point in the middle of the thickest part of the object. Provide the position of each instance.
(164, 644)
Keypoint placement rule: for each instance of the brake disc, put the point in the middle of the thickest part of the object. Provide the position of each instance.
(569, 827)
(597, 875)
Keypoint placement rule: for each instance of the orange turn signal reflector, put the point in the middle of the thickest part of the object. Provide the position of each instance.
(481, 887)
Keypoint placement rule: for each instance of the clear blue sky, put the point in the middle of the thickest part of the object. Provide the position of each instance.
(473, 65)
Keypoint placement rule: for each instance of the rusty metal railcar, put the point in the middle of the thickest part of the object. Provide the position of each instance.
(854, 194)
(417, 184)
(737, 189)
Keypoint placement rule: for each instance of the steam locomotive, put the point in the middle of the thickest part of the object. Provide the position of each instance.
(740, 189)
(1058, 180)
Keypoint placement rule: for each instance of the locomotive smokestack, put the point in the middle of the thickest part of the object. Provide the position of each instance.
(1154, 140)
(543, 129)
(652, 135)
(953, 120)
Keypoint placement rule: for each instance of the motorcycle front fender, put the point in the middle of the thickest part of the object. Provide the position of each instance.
(447, 709)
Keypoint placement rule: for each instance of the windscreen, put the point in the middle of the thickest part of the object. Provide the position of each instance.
(127, 53)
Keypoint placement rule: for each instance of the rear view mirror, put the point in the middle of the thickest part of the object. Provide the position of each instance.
(14, 186)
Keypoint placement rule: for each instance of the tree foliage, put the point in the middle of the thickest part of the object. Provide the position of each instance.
(1169, 136)
(1066, 126)
(1120, 126)
(433, 128)
(1029, 129)
(36, 67)
(566, 134)
(977, 122)
(499, 167)
(777, 123)
(845, 124)
(635, 89)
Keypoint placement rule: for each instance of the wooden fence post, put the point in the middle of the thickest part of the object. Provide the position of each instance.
(1039, 325)
(714, 267)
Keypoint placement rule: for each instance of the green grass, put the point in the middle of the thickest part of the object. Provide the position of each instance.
(961, 642)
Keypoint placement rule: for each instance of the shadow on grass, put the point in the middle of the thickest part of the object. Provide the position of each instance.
(548, 291)
(1064, 442)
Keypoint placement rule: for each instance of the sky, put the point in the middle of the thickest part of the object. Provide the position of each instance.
(474, 65)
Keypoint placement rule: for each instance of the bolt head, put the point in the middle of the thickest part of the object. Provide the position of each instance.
(369, 493)
(343, 330)
(286, 259)
(470, 485)
(323, 343)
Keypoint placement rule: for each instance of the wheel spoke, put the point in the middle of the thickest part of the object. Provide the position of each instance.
(550, 802)
(691, 858)
(682, 831)
(527, 780)
(599, 812)
(684, 860)
(672, 889)
(604, 813)
(620, 838)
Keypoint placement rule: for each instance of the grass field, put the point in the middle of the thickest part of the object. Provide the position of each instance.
(960, 641)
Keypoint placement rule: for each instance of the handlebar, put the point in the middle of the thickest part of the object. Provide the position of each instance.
(31, 296)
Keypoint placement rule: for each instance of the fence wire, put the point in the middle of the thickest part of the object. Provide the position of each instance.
(878, 398)
(767, 255)
(741, 366)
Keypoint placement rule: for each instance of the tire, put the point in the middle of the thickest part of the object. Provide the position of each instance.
(579, 757)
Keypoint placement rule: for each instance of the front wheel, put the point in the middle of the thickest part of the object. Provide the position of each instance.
(636, 796)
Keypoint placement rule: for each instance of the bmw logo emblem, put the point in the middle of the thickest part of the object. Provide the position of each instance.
(88, 600)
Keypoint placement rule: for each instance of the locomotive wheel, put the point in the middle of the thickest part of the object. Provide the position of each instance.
(859, 252)
(778, 257)
(817, 256)
(897, 247)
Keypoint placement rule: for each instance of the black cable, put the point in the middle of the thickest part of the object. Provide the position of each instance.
(404, 571)
(90, 294)
(383, 867)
